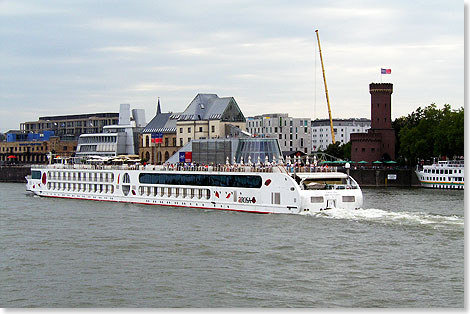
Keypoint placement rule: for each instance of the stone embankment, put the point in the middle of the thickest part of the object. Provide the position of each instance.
(14, 173)
(385, 177)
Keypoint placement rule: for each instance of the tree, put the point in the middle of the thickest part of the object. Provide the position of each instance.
(430, 132)
(342, 151)
(347, 150)
(334, 150)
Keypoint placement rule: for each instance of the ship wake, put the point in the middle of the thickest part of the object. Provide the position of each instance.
(406, 218)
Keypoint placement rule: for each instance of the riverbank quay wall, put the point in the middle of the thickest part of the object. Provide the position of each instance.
(365, 177)
(14, 173)
(385, 177)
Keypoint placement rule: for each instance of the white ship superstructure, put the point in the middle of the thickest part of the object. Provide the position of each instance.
(442, 175)
(225, 187)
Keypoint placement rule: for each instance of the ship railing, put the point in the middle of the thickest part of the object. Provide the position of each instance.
(304, 169)
(216, 168)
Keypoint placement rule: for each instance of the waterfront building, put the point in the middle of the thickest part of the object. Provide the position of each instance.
(208, 116)
(27, 147)
(158, 141)
(70, 127)
(379, 141)
(343, 128)
(119, 139)
(294, 134)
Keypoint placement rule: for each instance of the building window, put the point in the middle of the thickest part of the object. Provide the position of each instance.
(181, 130)
(181, 142)
(213, 128)
(189, 130)
(200, 129)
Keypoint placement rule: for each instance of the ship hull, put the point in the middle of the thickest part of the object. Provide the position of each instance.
(254, 192)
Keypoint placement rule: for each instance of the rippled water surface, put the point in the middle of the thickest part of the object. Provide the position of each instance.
(404, 249)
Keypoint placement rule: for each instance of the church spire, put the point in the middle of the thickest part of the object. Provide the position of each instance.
(159, 110)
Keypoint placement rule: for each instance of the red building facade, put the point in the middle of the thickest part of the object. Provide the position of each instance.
(379, 142)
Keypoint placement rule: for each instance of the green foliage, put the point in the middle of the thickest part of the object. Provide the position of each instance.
(347, 150)
(334, 150)
(430, 132)
(342, 151)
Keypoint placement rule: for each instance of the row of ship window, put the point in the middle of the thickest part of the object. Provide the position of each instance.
(245, 181)
(445, 186)
(81, 187)
(148, 191)
(442, 171)
(174, 192)
(81, 176)
(450, 179)
(240, 181)
(320, 199)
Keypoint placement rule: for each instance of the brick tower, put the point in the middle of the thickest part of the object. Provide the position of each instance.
(381, 105)
(379, 142)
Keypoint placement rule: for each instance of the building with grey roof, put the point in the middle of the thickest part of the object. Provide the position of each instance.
(207, 116)
(163, 130)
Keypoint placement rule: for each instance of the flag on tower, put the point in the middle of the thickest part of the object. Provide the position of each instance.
(386, 71)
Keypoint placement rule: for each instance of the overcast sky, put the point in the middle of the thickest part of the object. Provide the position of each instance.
(70, 57)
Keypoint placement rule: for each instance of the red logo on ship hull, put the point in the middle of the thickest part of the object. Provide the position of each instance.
(247, 200)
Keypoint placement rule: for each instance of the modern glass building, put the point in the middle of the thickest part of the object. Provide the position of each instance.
(255, 149)
(219, 151)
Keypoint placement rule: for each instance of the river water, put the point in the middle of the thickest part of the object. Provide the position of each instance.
(405, 249)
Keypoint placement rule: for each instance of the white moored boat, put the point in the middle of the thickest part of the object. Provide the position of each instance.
(226, 187)
(442, 175)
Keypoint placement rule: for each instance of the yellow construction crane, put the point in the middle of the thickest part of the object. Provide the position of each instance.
(326, 90)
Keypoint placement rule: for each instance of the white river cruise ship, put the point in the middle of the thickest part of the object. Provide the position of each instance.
(442, 175)
(273, 189)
